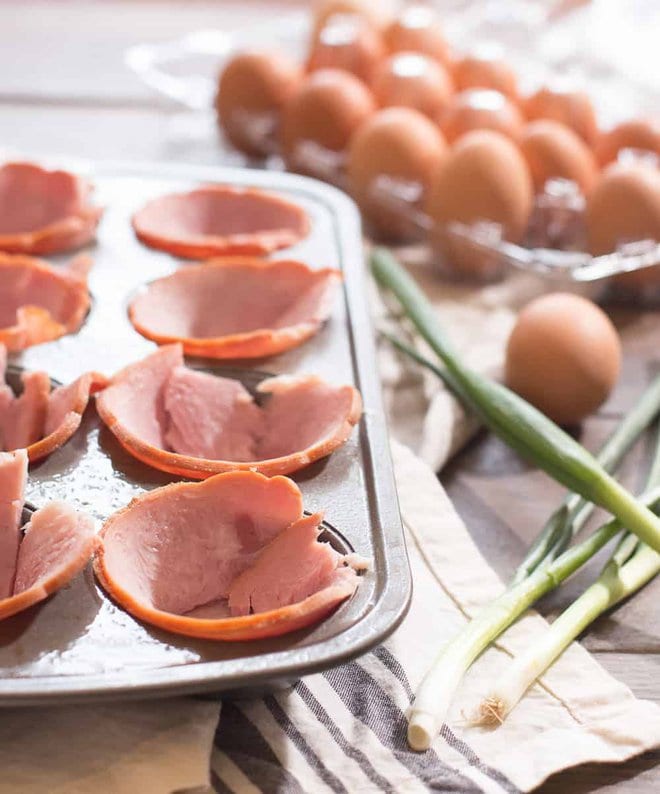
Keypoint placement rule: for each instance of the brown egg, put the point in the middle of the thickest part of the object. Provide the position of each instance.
(416, 29)
(253, 89)
(409, 79)
(397, 144)
(481, 71)
(563, 356)
(633, 134)
(478, 109)
(624, 206)
(350, 43)
(484, 178)
(554, 151)
(325, 111)
(373, 13)
(572, 108)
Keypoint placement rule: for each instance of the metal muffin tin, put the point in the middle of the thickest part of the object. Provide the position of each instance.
(79, 645)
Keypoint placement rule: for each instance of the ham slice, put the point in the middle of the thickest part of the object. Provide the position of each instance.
(13, 477)
(23, 420)
(236, 308)
(39, 302)
(291, 569)
(38, 419)
(44, 212)
(196, 424)
(57, 544)
(218, 546)
(217, 219)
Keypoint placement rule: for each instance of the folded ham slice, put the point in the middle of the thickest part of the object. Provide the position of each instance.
(57, 544)
(44, 212)
(231, 558)
(39, 419)
(236, 308)
(13, 477)
(40, 302)
(218, 219)
(196, 424)
(51, 549)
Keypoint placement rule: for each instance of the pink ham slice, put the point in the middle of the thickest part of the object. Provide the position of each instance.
(236, 308)
(13, 477)
(39, 302)
(216, 219)
(195, 424)
(44, 212)
(180, 548)
(23, 420)
(38, 419)
(292, 568)
(57, 545)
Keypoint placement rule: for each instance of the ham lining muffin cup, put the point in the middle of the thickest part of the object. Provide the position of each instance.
(44, 212)
(40, 419)
(196, 424)
(237, 307)
(218, 219)
(40, 302)
(47, 553)
(232, 558)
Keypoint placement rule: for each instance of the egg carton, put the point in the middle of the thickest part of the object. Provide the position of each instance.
(186, 71)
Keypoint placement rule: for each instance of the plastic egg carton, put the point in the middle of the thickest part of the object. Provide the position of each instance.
(573, 40)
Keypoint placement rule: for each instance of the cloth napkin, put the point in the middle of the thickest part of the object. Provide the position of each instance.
(344, 730)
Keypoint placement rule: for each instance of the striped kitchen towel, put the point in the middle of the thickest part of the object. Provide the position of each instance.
(344, 730)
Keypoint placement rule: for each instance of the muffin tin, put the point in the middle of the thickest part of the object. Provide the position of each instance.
(79, 645)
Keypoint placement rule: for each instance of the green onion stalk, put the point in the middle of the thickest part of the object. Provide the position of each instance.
(519, 424)
(632, 565)
(574, 511)
(529, 432)
(436, 691)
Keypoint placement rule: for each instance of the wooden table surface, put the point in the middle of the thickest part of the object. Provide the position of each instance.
(64, 89)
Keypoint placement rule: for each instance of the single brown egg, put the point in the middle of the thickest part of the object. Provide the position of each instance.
(624, 206)
(397, 150)
(373, 13)
(563, 356)
(482, 71)
(634, 134)
(252, 90)
(416, 29)
(483, 178)
(350, 43)
(479, 109)
(554, 151)
(572, 108)
(409, 79)
(321, 117)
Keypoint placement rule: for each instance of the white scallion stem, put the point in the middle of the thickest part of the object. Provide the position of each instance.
(618, 580)
(437, 689)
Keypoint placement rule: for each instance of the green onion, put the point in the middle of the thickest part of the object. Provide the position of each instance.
(530, 433)
(574, 511)
(436, 690)
(520, 425)
(630, 567)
